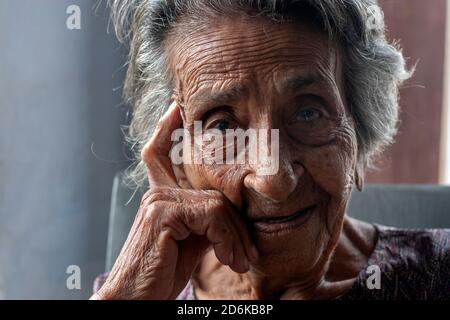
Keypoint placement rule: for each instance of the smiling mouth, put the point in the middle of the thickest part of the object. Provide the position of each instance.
(277, 224)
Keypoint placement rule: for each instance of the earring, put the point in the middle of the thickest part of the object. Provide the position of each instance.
(359, 179)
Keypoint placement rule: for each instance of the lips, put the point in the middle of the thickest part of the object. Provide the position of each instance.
(283, 223)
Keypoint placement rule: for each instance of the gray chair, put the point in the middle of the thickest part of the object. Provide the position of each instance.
(403, 206)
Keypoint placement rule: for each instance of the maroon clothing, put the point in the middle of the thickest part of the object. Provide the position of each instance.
(414, 265)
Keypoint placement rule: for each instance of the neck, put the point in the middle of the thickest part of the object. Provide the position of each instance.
(330, 279)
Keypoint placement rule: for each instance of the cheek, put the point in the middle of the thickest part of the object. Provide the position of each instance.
(225, 178)
(332, 169)
(332, 166)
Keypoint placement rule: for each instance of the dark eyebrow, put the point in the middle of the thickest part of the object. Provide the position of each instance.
(300, 82)
(224, 96)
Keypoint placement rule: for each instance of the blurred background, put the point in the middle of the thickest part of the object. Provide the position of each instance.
(61, 142)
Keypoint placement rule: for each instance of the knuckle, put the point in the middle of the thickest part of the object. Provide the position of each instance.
(147, 153)
(158, 190)
(155, 194)
(145, 198)
(155, 197)
(219, 204)
(153, 210)
(156, 206)
(214, 194)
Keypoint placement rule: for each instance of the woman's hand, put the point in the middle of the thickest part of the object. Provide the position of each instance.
(173, 228)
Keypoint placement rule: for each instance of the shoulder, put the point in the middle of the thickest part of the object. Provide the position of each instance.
(429, 246)
(415, 264)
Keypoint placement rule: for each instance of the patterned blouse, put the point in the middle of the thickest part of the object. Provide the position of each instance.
(405, 265)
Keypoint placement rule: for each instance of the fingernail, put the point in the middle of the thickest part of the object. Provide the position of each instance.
(246, 265)
(168, 111)
(173, 105)
(254, 254)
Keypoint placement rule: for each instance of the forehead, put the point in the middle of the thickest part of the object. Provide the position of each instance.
(243, 52)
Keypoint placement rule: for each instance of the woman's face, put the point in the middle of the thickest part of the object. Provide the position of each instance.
(252, 73)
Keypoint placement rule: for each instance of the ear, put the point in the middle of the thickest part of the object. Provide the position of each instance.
(359, 176)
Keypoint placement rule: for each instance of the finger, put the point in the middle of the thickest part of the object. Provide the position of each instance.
(215, 224)
(223, 250)
(160, 143)
(208, 213)
(240, 262)
(246, 240)
(155, 153)
(202, 219)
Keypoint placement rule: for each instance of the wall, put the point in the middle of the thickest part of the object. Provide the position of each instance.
(57, 100)
(420, 26)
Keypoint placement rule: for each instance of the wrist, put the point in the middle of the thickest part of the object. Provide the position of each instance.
(106, 293)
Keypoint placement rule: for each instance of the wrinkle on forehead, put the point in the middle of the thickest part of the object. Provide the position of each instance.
(250, 51)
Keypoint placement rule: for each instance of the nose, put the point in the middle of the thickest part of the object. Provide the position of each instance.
(277, 187)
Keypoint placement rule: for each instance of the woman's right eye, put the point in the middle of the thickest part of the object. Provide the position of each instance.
(221, 121)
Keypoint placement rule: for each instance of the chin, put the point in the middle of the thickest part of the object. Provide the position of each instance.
(295, 250)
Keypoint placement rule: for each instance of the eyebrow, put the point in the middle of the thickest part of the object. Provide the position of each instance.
(235, 93)
(224, 96)
(300, 82)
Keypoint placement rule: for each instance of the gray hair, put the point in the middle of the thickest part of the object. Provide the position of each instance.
(373, 69)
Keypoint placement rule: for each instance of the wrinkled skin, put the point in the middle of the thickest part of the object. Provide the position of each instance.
(250, 73)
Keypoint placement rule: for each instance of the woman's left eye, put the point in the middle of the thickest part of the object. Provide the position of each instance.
(222, 125)
(309, 114)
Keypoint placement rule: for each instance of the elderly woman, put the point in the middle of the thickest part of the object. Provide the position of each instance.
(323, 75)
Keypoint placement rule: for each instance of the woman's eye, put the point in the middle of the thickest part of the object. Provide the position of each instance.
(222, 125)
(309, 114)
